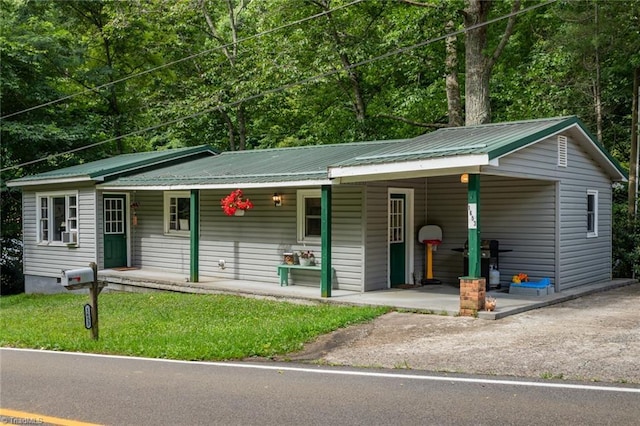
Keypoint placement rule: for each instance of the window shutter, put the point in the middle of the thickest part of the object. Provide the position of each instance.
(562, 151)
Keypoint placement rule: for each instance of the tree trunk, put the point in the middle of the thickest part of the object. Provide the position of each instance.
(454, 103)
(242, 128)
(230, 130)
(635, 141)
(597, 88)
(477, 107)
(478, 65)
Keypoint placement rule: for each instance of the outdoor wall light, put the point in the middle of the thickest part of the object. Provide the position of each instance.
(464, 178)
(277, 199)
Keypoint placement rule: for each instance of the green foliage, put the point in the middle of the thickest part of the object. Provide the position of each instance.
(626, 238)
(60, 48)
(286, 86)
(176, 326)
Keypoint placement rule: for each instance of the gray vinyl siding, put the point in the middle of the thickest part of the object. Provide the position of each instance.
(420, 219)
(49, 260)
(377, 235)
(585, 259)
(150, 247)
(251, 246)
(582, 260)
(447, 208)
(519, 213)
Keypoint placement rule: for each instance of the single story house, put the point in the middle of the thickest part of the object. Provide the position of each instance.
(542, 189)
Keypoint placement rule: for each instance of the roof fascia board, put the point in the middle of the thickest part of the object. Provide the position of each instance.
(279, 184)
(533, 138)
(569, 122)
(614, 166)
(402, 168)
(74, 179)
(100, 176)
(408, 175)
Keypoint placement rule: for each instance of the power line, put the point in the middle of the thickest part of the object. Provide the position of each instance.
(286, 86)
(195, 55)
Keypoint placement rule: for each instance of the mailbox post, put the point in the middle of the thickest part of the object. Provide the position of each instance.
(74, 279)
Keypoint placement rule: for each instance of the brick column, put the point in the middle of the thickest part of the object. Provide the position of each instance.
(472, 295)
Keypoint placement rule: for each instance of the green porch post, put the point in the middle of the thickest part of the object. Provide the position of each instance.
(326, 273)
(194, 226)
(473, 212)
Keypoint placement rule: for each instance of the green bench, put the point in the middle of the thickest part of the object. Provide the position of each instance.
(284, 269)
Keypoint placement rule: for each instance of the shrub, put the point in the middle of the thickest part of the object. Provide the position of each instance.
(626, 243)
(11, 276)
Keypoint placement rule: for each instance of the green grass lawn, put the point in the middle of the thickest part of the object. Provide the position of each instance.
(170, 325)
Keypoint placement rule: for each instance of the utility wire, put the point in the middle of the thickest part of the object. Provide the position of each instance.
(288, 85)
(195, 55)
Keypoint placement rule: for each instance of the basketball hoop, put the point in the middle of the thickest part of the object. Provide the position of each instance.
(431, 236)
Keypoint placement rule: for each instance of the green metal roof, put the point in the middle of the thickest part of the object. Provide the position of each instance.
(101, 169)
(295, 165)
(491, 140)
(319, 164)
(494, 140)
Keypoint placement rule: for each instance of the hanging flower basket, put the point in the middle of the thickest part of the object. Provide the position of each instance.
(234, 205)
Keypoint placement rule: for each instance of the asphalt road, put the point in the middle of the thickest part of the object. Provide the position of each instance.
(135, 391)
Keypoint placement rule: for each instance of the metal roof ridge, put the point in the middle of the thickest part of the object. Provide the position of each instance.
(329, 145)
(510, 123)
(134, 178)
(424, 151)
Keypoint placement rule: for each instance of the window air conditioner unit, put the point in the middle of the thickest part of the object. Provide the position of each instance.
(70, 237)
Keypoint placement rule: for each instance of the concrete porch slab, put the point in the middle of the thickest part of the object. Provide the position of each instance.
(433, 299)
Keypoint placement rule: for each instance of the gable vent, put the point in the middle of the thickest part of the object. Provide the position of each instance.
(562, 151)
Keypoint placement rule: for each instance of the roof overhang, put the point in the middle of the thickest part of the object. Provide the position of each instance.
(186, 187)
(411, 169)
(594, 148)
(100, 175)
(56, 181)
(590, 144)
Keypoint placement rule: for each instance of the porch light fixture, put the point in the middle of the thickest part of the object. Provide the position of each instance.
(464, 178)
(277, 199)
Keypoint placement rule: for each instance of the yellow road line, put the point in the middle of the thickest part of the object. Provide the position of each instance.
(32, 418)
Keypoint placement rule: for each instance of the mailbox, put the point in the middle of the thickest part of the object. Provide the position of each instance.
(77, 278)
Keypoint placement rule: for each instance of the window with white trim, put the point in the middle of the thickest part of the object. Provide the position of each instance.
(592, 213)
(177, 212)
(57, 214)
(309, 215)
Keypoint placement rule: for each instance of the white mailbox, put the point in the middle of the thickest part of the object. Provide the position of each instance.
(77, 277)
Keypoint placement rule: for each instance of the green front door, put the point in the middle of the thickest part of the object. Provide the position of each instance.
(115, 231)
(397, 239)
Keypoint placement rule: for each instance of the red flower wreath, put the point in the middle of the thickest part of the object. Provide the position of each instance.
(233, 202)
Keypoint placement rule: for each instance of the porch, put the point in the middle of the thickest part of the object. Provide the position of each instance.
(435, 299)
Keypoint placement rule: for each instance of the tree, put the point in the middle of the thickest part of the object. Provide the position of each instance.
(229, 47)
(478, 63)
(633, 163)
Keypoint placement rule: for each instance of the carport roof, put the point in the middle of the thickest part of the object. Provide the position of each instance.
(469, 146)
